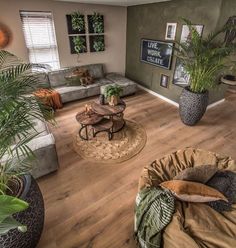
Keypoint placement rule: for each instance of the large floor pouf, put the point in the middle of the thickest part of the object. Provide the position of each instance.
(193, 224)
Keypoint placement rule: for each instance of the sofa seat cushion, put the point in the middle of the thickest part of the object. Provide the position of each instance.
(72, 93)
(102, 81)
(58, 77)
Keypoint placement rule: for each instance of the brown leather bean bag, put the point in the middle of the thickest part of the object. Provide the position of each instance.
(193, 224)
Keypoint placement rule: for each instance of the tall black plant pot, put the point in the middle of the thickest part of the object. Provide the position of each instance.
(192, 106)
(33, 217)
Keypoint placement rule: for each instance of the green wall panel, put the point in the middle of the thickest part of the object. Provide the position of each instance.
(149, 21)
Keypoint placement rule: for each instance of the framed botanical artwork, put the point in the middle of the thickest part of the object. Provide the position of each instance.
(170, 31)
(164, 81)
(186, 34)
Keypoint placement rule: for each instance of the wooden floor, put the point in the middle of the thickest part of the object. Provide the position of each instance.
(90, 205)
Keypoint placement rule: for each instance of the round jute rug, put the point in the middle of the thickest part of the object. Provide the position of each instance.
(125, 144)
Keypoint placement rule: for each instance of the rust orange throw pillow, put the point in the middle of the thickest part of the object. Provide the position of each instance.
(192, 191)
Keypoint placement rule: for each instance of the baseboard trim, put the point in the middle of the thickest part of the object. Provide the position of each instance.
(215, 103)
(173, 102)
(159, 96)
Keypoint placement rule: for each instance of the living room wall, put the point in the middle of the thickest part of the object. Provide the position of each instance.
(149, 21)
(115, 31)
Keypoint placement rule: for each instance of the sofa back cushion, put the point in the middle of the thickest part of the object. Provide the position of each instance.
(58, 78)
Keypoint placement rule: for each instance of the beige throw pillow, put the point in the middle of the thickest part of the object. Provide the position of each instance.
(193, 192)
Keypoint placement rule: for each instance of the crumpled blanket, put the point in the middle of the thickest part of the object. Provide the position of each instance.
(154, 210)
(194, 225)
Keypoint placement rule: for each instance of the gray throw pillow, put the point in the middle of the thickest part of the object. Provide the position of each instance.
(200, 174)
(225, 182)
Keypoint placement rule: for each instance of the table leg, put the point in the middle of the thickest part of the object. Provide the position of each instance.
(86, 132)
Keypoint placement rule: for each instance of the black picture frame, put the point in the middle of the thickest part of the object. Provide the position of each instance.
(69, 26)
(164, 81)
(90, 24)
(157, 53)
(181, 77)
(72, 46)
(92, 39)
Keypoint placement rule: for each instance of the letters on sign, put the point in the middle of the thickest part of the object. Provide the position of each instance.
(158, 53)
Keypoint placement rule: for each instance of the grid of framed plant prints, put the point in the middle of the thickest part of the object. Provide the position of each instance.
(86, 33)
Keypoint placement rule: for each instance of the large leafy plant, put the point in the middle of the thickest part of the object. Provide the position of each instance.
(8, 206)
(18, 111)
(204, 59)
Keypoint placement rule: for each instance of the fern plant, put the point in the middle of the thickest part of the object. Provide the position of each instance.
(18, 111)
(204, 58)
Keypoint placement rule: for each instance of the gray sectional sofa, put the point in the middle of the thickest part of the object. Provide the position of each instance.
(44, 144)
(57, 80)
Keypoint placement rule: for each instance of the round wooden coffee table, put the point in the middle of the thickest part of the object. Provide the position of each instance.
(114, 113)
(85, 120)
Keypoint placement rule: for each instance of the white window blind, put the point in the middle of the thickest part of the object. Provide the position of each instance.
(40, 38)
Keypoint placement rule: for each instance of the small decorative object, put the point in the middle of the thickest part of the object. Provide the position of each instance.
(78, 44)
(203, 76)
(158, 53)
(164, 81)
(75, 23)
(231, 33)
(170, 31)
(96, 23)
(97, 43)
(112, 94)
(102, 99)
(4, 36)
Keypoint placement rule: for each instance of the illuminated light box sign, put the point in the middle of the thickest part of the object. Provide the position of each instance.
(158, 53)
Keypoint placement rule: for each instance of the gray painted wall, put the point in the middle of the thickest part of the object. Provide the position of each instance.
(149, 21)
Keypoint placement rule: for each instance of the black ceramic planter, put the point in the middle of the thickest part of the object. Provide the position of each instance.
(33, 217)
(192, 106)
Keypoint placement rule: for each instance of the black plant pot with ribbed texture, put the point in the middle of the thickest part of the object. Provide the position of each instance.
(192, 106)
(33, 217)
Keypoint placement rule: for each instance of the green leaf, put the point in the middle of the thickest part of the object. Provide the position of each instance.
(10, 205)
(9, 223)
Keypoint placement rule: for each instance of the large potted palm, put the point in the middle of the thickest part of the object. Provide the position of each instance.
(21, 201)
(203, 60)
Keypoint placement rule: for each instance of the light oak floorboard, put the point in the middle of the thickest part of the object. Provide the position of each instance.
(91, 205)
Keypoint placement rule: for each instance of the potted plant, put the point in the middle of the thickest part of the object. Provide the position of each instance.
(97, 23)
(77, 21)
(204, 60)
(112, 94)
(18, 190)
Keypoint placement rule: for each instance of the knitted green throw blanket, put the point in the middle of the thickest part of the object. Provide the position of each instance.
(153, 211)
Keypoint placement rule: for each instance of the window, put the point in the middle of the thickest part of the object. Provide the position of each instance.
(40, 38)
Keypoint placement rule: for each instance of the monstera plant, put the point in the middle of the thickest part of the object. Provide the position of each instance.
(204, 60)
(21, 202)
